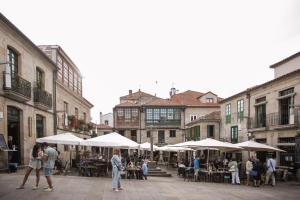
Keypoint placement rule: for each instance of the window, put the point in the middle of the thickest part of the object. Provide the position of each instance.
(261, 140)
(163, 115)
(79, 85)
(240, 109)
(286, 140)
(66, 73)
(260, 112)
(234, 134)
(127, 114)
(71, 80)
(193, 117)
(39, 126)
(39, 78)
(84, 117)
(106, 122)
(75, 82)
(12, 58)
(120, 113)
(172, 133)
(210, 131)
(286, 92)
(122, 133)
(76, 113)
(66, 147)
(66, 109)
(170, 114)
(228, 113)
(60, 69)
(209, 100)
(161, 137)
(133, 135)
(148, 134)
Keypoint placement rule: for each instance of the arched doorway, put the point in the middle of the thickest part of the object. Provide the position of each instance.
(13, 133)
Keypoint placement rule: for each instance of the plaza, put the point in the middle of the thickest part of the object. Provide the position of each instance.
(174, 188)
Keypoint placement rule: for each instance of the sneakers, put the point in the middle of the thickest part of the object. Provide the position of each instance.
(35, 187)
(20, 187)
(48, 190)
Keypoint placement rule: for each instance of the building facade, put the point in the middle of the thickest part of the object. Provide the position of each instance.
(107, 119)
(27, 97)
(140, 115)
(267, 113)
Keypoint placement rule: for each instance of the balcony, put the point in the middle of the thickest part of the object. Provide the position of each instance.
(279, 120)
(42, 99)
(16, 87)
(163, 123)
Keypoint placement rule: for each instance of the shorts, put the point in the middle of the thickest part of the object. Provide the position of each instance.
(47, 171)
(196, 172)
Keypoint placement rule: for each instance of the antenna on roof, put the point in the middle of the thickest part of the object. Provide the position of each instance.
(155, 87)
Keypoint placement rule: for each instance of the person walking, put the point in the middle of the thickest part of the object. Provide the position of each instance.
(257, 172)
(116, 170)
(196, 168)
(271, 167)
(145, 169)
(249, 167)
(50, 155)
(233, 168)
(35, 163)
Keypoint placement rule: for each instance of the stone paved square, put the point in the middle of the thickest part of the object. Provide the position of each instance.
(174, 188)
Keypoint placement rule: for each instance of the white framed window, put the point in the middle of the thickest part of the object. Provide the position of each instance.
(193, 117)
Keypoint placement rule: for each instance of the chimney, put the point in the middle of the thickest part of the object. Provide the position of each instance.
(101, 118)
(172, 91)
(130, 92)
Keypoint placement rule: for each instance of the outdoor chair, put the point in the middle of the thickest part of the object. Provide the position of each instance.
(189, 174)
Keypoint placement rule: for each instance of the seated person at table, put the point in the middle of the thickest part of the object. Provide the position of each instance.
(139, 172)
(130, 169)
(211, 167)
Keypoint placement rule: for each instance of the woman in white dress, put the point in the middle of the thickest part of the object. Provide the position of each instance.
(35, 163)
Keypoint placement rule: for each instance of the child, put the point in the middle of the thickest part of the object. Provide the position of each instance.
(145, 169)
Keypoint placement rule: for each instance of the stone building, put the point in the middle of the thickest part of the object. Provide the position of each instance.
(270, 112)
(27, 106)
(207, 126)
(140, 114)
(72, 109)
(107, 119)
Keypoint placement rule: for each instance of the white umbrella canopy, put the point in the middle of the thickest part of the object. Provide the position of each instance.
(209, 143)
(255, 146)
(147, 146)
(171, 148)
(110, 140)
(64, 138)
(184, 144)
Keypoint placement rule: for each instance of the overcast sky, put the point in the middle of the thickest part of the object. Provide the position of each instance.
(219, 46)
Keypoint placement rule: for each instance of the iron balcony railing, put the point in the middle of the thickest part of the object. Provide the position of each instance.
(17, 85)
(43, 97)
(276, 119)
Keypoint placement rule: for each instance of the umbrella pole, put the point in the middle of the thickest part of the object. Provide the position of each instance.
(207, 158)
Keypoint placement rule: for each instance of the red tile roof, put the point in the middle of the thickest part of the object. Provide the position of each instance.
(213, 116)
(162, 102)
(136, 95)
(103, 126)
(191, 98)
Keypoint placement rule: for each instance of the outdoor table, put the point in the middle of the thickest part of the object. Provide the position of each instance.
(130, 172)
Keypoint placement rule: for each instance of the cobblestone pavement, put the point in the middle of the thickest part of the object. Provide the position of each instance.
(72, 188)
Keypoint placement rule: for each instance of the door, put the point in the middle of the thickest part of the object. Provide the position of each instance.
(234, 134)
(161, 137)
(284, 116)
(13, 133)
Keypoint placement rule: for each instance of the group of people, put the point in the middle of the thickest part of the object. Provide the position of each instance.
(118, 169)
(256, 169)
(41, 156)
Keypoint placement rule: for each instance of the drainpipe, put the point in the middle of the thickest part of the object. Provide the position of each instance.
(248, 116)
(54, 103)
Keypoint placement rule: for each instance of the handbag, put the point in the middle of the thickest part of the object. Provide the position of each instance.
(253, 173)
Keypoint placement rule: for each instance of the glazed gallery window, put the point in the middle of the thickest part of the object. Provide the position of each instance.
(71, 78)
(60, 68)
(160, 115)
(39, 78)
(128, 114)
(66, 73)
(228, 113)
(12, 58)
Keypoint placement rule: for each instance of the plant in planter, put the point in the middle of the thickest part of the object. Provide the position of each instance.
(82, 125)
